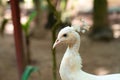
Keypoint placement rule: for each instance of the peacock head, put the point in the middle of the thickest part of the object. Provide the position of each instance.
(67, 35)
(70, 35)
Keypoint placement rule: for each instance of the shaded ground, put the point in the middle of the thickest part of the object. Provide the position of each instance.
(98, 57)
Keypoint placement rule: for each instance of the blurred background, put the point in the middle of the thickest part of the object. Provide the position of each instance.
(40, 21)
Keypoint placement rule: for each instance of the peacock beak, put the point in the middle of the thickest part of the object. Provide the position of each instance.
(56, 43)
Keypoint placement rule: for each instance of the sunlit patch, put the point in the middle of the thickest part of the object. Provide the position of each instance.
(24, 19)
(9, 29)
(101, 71)
(78, 22)
(7, 14)
(28, 4)
(116, 30)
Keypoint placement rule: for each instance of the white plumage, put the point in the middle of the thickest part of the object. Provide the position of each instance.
(71, 64)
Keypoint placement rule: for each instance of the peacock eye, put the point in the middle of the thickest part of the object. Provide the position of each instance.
(64, 35)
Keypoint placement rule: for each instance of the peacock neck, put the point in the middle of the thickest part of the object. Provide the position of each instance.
(71, 61)
(73, 54)
(75, 46)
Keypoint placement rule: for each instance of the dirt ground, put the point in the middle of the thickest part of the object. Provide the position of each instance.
(98, 57)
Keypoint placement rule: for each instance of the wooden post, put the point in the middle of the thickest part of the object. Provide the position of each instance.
(18, 36)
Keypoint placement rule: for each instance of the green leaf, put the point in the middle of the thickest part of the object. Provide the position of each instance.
(44, 4)
(2, 27)
(28, 71)
(27, 24)
(63, 4)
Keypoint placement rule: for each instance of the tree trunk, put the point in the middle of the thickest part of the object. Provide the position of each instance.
(101, 29)
(39, 30)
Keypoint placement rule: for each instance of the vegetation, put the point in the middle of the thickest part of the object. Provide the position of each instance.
(2, 26)
(54, 28)
(3, 20)
(39, 30)
(28, 71)
(25, 28)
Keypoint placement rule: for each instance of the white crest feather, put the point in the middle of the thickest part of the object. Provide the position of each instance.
(76, 28)
(83, 28)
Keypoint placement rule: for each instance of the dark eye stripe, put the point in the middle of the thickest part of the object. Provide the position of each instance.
(65, 35)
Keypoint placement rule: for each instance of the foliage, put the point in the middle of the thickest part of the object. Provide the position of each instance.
(3, 20)
(2, 26)
(54, 28)
(63, 4)
(43, 5)
(26, 26)
(28, 71)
